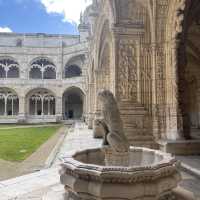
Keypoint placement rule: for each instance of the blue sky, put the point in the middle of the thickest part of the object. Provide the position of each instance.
(41, 16)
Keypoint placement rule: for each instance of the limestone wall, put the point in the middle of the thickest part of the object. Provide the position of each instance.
(61, 50)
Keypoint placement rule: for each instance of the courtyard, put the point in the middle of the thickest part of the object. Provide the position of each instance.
(45, 184)
(25, 148)
(100, 100)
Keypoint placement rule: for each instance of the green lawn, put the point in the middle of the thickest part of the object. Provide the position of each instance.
(18, 144)
(17, 125)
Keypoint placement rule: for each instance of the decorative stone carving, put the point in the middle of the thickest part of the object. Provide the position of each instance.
(127, 70)
(114, 133)
(150, 175)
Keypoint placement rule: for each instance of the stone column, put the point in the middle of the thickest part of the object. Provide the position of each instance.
(42, 102)
(155, 126)
(5, 106)
(36, 106)
(58, 108)
(22, 112)
(12, 106)
(172, 111)
(49, 107)
(91, 105)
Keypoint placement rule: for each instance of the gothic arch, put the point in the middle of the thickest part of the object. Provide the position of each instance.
(73, 68)
(9, 68)
(183, 14)
(40, 101)
(42, 68)
(73, 103)
(9, 102)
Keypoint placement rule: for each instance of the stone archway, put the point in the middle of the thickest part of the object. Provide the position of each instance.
(40, 102)
(182, 70)
(188, 70)
(73, 103)
(9, 102)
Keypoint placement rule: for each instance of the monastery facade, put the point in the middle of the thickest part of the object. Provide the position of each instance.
(144, 51)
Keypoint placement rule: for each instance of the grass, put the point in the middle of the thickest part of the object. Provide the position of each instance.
(18, 144)
(17, 125)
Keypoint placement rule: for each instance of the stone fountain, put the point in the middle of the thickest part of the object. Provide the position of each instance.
(117, 171)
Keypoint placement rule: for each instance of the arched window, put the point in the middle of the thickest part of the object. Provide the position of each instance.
(35, 73)
(9, 68)
(42, 69)
(41, 102)
(2, 72)
(13, 72)
(9, 102)
(49, 73)
(72, 71)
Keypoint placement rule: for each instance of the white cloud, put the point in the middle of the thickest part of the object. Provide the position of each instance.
(5, 30)
(70, 9)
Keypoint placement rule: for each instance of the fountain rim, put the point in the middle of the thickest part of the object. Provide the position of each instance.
(166, 167)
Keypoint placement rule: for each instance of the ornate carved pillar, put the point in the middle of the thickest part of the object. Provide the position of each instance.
(97, 88)
(172, 110)
(136, 120)
(91, 105)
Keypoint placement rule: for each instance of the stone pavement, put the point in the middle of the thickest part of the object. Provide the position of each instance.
(78, 137)
(190, 164)
(44, 185)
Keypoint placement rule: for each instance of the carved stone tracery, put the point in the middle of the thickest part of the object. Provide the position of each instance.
(127, 72)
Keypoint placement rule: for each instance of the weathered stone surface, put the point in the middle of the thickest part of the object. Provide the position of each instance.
(150, 175)
(112, 123)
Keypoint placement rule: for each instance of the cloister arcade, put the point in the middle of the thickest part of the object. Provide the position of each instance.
(41, 104)
(41, 68)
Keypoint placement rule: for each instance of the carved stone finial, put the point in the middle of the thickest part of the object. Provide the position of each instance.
(114, 133)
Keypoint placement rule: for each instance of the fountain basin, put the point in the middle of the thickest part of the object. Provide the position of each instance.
(149, 175)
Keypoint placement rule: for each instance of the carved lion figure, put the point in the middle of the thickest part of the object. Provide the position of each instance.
(112, 122)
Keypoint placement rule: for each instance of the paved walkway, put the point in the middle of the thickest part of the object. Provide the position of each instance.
(190, 164)
(44, 185)
(78, 137)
